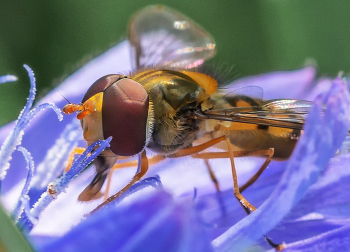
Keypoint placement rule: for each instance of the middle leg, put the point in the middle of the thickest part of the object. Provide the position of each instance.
(213, 155)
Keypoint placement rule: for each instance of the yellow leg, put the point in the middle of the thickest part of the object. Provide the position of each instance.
(212, 175)
(137, 177)
(196, 149)
(159, 158)
(151, 161)
(269, 153)
(108, 186)
(244, 202)
(230, 154)
(193, 151)
(238, 190)
(76, 151)
(155, 159)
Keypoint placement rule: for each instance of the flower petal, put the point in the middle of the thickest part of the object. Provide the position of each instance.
(335, 240)
(329, 196)
(281, 84)
(154, 223)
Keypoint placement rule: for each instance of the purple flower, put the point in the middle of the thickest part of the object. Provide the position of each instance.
(302, 202)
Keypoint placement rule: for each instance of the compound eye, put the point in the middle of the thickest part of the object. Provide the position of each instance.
(100, 85)
(124, 116)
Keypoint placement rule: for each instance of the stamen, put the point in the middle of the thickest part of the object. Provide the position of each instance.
(61, 183)
(15, 137)
(30, 166)
(154, 182)
(7, 78)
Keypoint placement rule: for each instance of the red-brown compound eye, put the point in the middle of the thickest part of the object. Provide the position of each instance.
(124, 116)
(100, 85)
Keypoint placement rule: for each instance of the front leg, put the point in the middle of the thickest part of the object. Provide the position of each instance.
(103, 162)
(141, 171)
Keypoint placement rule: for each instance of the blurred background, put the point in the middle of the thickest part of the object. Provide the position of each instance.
(56, 37)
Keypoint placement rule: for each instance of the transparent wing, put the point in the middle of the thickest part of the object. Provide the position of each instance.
(285, 113)
(286, 107)
(159, 35)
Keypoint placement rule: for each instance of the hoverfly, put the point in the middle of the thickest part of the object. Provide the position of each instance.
(167, 104)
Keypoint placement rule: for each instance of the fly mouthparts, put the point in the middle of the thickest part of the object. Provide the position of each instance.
(70, 108)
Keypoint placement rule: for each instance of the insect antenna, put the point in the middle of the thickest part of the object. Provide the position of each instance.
(64, 97)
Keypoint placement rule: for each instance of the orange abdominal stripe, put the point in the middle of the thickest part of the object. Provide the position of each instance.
(71, 108)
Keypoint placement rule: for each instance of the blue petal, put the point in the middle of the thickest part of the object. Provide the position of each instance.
(281, 84)
(335, 240)
(329, 196)
(154, 223)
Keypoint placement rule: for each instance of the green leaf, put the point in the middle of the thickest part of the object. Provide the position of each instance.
(11, 239)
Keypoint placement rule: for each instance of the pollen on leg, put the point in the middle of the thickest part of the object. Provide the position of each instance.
(51, 190)
(281, 247)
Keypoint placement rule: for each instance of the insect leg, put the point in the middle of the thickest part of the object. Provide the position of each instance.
(269, 153)
(212, 175)
(142, 171)
(181, 153)
(156, 159)
(198, 148)
(76, 151)
(217, 186)
(195, 149)
(151, 161)
(244, 202)
(102, 163)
